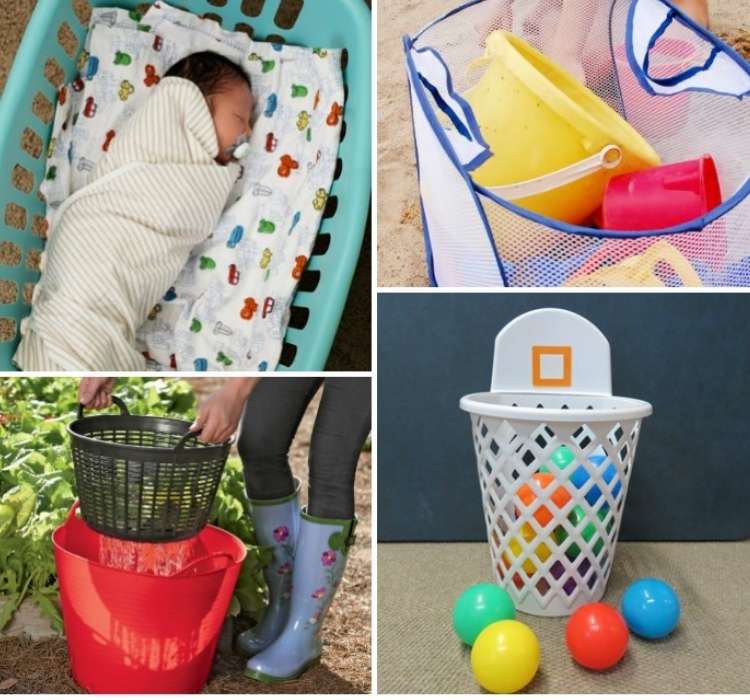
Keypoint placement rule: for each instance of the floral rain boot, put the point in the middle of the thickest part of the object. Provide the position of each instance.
(319, 566)
(276, 525)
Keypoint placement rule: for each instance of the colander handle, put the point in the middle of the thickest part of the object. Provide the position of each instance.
(116, 400)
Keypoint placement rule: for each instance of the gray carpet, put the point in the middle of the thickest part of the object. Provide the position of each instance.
(708, 653)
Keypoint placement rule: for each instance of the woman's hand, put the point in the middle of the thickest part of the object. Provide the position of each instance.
(220, 413)
(96, 392)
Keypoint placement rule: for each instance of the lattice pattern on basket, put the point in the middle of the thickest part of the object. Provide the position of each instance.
(164, 495)
(554, 541)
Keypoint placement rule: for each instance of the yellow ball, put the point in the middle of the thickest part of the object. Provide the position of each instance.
(542, 550)
(505, 656)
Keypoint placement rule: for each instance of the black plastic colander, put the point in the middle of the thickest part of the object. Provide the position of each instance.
(144, 478)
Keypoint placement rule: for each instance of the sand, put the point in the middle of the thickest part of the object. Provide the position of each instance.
(401, 254)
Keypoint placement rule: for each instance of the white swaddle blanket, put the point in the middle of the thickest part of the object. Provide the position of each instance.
(228, 306)
(116, 244)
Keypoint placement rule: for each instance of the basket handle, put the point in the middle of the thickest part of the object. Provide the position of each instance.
(187, 436)
(723, 73)
(186, 569)
(608, 158)
(72, 512)
(116, 400)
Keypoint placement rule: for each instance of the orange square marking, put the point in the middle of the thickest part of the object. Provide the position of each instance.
(551, 365)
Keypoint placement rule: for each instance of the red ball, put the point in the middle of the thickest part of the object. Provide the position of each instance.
(597, 636)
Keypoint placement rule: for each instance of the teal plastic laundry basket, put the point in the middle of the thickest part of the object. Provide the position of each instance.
(25, 132)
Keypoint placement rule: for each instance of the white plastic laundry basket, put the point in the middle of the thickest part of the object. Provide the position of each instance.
(683, 89)
(555, 453)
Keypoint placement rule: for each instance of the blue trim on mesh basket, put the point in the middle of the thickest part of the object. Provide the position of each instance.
(425, 230)
(444, 16)
(694, 226)
(448, 149)
(472, 124)
(675, 14)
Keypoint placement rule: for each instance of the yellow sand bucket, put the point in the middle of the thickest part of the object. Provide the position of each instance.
(542, 124)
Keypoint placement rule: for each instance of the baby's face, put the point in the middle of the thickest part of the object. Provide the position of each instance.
(232, 110)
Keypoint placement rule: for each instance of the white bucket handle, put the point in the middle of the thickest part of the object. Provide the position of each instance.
(465, 136)
(608, 158)
(552, 351)
(723, 73)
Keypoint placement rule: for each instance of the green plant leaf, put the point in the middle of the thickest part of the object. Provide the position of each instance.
(7, 519)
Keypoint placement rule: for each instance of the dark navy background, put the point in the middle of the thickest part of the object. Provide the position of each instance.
(687, 354)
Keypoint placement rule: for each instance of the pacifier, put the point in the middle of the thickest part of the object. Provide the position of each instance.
(239, 149)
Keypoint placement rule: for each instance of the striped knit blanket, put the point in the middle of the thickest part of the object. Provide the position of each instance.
(120, 241)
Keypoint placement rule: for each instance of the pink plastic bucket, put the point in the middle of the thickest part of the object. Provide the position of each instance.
(661, 197)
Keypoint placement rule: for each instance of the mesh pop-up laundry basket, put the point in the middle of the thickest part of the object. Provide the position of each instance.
(555, 453)
(27, 109)
(679, 86)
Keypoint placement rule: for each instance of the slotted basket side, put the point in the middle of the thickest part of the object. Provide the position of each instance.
(27, 107)
(136, 481)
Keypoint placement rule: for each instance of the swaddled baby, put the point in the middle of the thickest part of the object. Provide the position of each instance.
(118, 243)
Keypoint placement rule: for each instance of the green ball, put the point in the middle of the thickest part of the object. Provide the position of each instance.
(576, 517)
(561, 458)
(479, 606)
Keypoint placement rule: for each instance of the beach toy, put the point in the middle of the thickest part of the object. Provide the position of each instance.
(479, 606)
(660, 197)
(641, 271)
(527, 496)
(597, 636)
(505, 657)
(651, 608)
(538, 120)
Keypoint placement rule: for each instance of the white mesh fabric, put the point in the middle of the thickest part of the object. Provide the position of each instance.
(551, 562)
(461, 135)
(680, 127)
(449, 207)
(720, 74)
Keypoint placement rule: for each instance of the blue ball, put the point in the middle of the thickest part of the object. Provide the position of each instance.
(651, 608)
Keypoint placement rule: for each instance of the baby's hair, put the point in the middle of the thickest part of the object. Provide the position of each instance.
(211, 72)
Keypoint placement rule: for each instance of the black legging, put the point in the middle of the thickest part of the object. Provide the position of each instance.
(272, 416)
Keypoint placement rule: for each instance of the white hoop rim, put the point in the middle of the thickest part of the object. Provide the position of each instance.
(496, 404)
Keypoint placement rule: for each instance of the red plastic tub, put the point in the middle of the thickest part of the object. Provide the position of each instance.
(132, 632)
